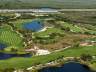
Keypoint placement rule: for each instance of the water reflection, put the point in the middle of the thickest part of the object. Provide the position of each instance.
(68, 67)
(34, 25)
(6, 55)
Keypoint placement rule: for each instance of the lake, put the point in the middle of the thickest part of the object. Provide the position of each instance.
(68, 67)
(35, 25)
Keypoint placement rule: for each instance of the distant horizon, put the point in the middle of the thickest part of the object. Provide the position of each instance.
(66, 4)
(44, 9)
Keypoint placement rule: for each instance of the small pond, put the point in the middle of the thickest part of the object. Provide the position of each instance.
(68, 67)
(6, 55)
(35, 25)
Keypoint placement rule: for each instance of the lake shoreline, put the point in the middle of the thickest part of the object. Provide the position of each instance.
(59, 63)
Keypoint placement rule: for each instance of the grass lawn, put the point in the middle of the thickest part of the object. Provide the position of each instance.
(91, 39)
(27, 62)
(75, 28)
(49, 31)
(92, 31)
(5, 27)
(10, 37)
(72, 27)
(51, 35)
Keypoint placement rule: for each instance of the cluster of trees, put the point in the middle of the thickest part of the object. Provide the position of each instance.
(86, 57)
(27, 37)
(3, 19)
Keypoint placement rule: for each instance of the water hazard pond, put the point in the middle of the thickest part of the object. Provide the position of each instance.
(35, 25)
(8, 55)
(68, 67)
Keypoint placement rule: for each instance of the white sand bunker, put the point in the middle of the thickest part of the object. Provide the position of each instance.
(42, 52)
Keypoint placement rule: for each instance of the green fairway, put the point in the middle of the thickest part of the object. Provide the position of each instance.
(49, 31)
(51, 35)
(10, 37)
(73, 28)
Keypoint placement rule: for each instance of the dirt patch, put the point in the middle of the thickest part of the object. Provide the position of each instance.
(68, 40)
